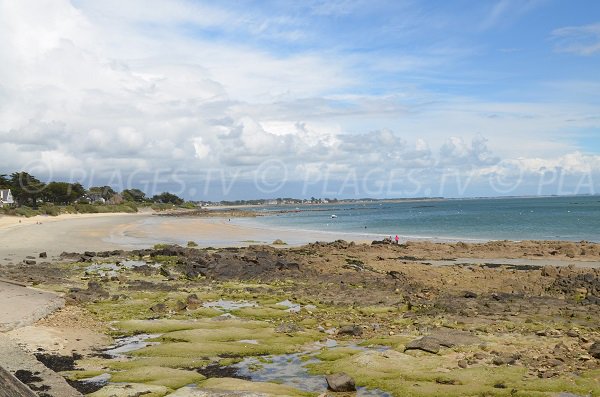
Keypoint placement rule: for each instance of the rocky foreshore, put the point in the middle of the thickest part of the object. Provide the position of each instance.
(381, 317)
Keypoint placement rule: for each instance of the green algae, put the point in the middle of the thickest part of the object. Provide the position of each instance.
(131, 390)
(232, 384)
(434, 375)
(166, 362)
(261, 313)
(161, 376)
(336, 354)
(208, 338)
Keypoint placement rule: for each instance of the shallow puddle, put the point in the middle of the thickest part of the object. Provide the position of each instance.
(111, 269)
(290, 369)
(294, 307)
(226, 305)
(130, 343)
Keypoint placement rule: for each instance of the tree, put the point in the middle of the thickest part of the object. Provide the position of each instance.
(26, 188)
(106, 192)
(4, 181)
(134, 195)
(166, 198)
(63, 192)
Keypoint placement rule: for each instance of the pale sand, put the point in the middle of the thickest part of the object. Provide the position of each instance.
(22, 237)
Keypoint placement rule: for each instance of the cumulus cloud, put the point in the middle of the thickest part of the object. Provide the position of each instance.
(100, 88)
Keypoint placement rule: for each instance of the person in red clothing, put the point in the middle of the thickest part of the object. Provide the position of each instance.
(397, 239)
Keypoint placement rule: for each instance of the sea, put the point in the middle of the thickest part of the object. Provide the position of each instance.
(573, 218)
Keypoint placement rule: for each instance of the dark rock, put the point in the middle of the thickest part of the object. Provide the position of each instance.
(180, 306)
(58, 363)
(442, 337)
(284, 265)
(470, 295)
(90, 254)
(463, 363)
(192, 299)
(164, 272)
(158, 308)
(442, 380)
(288, 328)
(572, 333)
(594, 350)
(353, 330)
(29, 262)
(340, 383)
(43, 255)
(505, 359)
(93, 292)
(452, 337)
(549, 271)
(396, 275)
(426, 343)
(70, 255)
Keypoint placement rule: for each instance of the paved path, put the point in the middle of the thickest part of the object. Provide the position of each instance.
(21, 306)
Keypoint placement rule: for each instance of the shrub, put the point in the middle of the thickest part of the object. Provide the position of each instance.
(26, 212)
(50, 209)
(192, 244)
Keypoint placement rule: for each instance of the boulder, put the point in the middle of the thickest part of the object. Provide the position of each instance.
(158, 308)
(426, 343)
(353, 330)
(594, 350)
(340, 383)
(442, 337)
(180, 306)
(43, 255)
(505, 359)
(549, 271)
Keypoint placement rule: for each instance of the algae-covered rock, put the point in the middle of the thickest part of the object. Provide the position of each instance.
(195, 392)
(594, 350)
(168, 377)
(263, 388)
(340, 382)
(131, 390)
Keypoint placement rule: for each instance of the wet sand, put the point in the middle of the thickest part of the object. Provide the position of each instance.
(22, 237)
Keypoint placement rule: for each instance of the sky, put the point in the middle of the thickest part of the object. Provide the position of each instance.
(340, 98)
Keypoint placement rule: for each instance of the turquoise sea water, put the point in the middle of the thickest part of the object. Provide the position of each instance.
(540, 218)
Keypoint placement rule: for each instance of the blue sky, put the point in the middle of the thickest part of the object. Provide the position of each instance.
(383, 92)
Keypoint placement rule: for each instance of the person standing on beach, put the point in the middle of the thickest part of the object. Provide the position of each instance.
(397, 239)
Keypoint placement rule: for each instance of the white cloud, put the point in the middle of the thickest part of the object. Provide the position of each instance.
(580, 40)
(108, 86)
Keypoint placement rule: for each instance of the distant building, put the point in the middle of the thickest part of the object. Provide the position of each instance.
(94, 198)
(6, 197)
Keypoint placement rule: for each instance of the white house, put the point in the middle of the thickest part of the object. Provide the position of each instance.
(6, 197)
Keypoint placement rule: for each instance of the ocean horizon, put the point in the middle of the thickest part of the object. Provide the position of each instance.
(570, 218)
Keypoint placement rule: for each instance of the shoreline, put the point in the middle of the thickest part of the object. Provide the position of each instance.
(111, 231)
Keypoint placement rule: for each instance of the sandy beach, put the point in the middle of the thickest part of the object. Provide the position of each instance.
(22, 237)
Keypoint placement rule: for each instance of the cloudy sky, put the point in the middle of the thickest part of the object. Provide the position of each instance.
(345, 98)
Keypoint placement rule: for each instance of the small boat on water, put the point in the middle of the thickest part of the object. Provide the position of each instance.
(333, 216)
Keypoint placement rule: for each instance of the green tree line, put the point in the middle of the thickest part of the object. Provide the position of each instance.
(27, 190)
